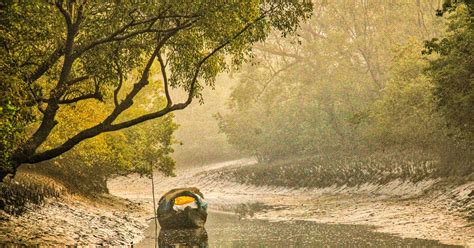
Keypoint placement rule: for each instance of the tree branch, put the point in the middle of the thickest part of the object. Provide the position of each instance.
(180, 106)
(46, 65)
(169, 101)
(277, 52)
(119, 86)
(128, 101)
(112, 37)
(77, 80)
(72, 29)
(48, 122)
(96, 95)
(66, 15)
(119, 34)
(373, 74)
(217, 49)
(107, 126)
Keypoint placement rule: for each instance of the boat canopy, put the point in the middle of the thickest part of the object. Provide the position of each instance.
(181, 196)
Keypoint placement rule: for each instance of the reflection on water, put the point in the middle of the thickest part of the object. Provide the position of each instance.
(224, 230)
(183, 238)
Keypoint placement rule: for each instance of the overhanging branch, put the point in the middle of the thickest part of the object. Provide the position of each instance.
(107, 126)
(183, 105)
(217, 49)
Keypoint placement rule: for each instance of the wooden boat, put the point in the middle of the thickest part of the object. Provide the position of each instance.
(171, 217)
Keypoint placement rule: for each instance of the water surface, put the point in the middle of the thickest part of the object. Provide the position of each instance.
(225, 230)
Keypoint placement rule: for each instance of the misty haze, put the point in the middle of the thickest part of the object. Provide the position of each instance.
(213, 123)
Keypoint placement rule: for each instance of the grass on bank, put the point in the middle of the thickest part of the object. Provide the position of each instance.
(352, 170)
(25, 189)
(30, 189)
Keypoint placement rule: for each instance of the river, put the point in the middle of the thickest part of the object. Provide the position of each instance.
(395, 214)
(227, 230)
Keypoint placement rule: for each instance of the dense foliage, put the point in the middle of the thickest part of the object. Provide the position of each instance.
(453, 71)
(61, 59)
(139, 149)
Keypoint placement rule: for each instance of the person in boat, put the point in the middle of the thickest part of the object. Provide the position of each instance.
(182, 208)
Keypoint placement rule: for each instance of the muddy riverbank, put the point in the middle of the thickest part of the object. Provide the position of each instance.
(73, 220)
(410, 210)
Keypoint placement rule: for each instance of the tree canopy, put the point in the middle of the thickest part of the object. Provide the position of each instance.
(60, 53)
(453, 71)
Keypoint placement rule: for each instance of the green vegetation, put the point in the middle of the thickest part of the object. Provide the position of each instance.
(356, 97)
(75, 75)
(338, 169)
(452, 71)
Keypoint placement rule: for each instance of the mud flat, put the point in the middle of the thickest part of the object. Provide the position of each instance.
(408, 218)
(107, 221)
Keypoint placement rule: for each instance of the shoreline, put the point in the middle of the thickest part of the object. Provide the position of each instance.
(410, 218)
(430, 209)
(73, 220)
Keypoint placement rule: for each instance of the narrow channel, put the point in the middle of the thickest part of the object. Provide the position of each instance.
(227, 230)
